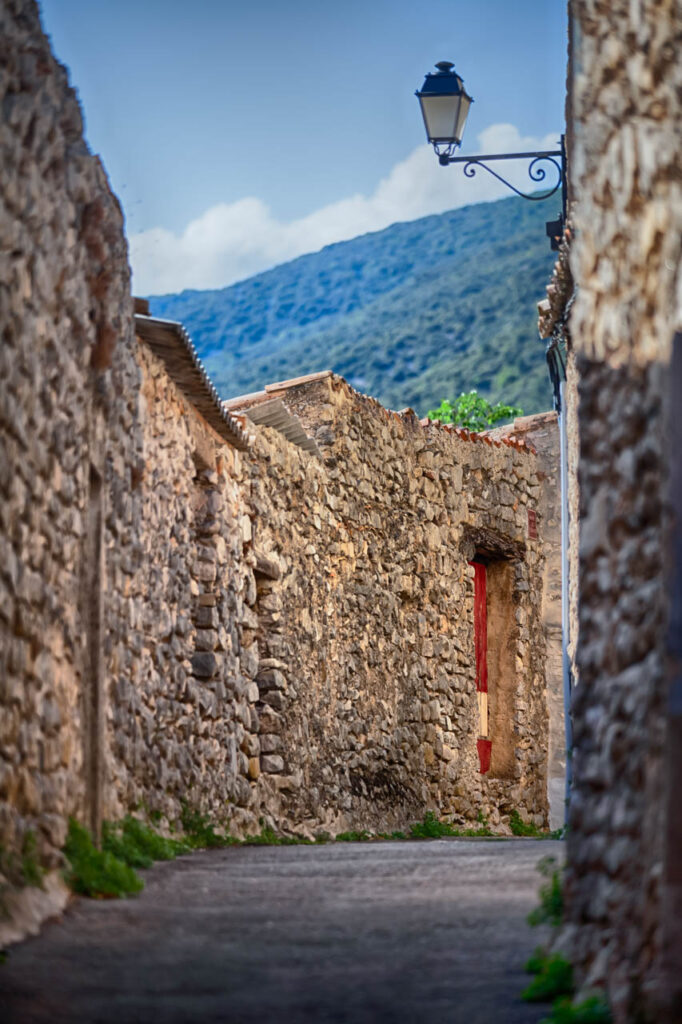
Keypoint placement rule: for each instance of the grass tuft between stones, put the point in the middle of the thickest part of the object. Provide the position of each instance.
(551, 907)
(200, 831)
(433, 828)
(354, 837)
(553, 977)
(139, 845)
(96, 873)
(268, 837)
(553, 973)
(519, 827)
(593, 1010)
(24, 868)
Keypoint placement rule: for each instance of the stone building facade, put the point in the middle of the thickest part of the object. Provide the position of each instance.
(541, 433)
(366, 637)
(621, 287)
(264, 610)
(302, 643)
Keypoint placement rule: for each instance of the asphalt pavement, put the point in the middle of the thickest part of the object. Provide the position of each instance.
(344, 933)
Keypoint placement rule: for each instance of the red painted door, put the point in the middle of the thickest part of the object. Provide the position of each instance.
(481, 626)
(483, 743)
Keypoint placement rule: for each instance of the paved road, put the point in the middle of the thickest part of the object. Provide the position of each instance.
(380, 933)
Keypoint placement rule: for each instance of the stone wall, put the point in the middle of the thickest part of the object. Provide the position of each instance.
(542, 433)
(301, 644)
(182, 673)
(367, 674)
(69, 382)
(627, 105)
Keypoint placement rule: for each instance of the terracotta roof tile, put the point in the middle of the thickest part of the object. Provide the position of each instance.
(171, 343)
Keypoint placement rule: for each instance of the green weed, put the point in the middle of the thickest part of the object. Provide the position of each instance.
(93, 872)
(200, 832)
(354, 837)
(519, 827)
(593, 1010)
(268, 837)
(476, 833)
(432, 828)
(553, 978)
(551, 908)
(138, 845)
(119, 846)
(31, 871)
(24, 868)
(535, 961)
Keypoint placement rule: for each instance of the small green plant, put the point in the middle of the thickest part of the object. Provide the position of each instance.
(553, 977)
(200, 832)
(431, 828)
(322, 837)
(473, 412)
(268, 837)
(31, 871)
(119, 846)
(519, 827)
(93, 872)
(593, 1010)
(22, 869)
(535, 961)
(4, 956)
(484, 832)
(551, 908)
(354, 837)
(139, 845)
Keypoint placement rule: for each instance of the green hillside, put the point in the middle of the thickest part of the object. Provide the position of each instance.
(412, 314)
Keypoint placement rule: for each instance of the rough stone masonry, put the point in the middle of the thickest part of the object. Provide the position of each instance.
(198, 609)
(624, 114)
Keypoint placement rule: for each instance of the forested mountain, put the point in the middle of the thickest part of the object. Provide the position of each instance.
(413, 314)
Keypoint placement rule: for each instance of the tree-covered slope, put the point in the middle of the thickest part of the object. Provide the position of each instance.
(413, 314)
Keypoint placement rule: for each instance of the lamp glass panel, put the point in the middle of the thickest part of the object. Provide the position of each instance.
(441, 116)
(462, 116)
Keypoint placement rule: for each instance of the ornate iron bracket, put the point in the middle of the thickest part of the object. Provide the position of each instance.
(536, 172)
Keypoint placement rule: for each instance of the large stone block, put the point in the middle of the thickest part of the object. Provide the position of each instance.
(272, 764)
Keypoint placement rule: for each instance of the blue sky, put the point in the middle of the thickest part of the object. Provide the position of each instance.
(240, 134)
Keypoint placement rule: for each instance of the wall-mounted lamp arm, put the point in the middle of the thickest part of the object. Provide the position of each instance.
(536, 172)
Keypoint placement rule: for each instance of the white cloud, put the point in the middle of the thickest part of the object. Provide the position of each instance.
(232, 241)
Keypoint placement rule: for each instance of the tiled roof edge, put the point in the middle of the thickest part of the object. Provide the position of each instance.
(408, 414)
(198, 387)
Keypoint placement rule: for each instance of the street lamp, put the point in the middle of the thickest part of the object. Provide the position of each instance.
(445, 105)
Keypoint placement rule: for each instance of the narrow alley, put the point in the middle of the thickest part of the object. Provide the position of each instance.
(372, 933)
